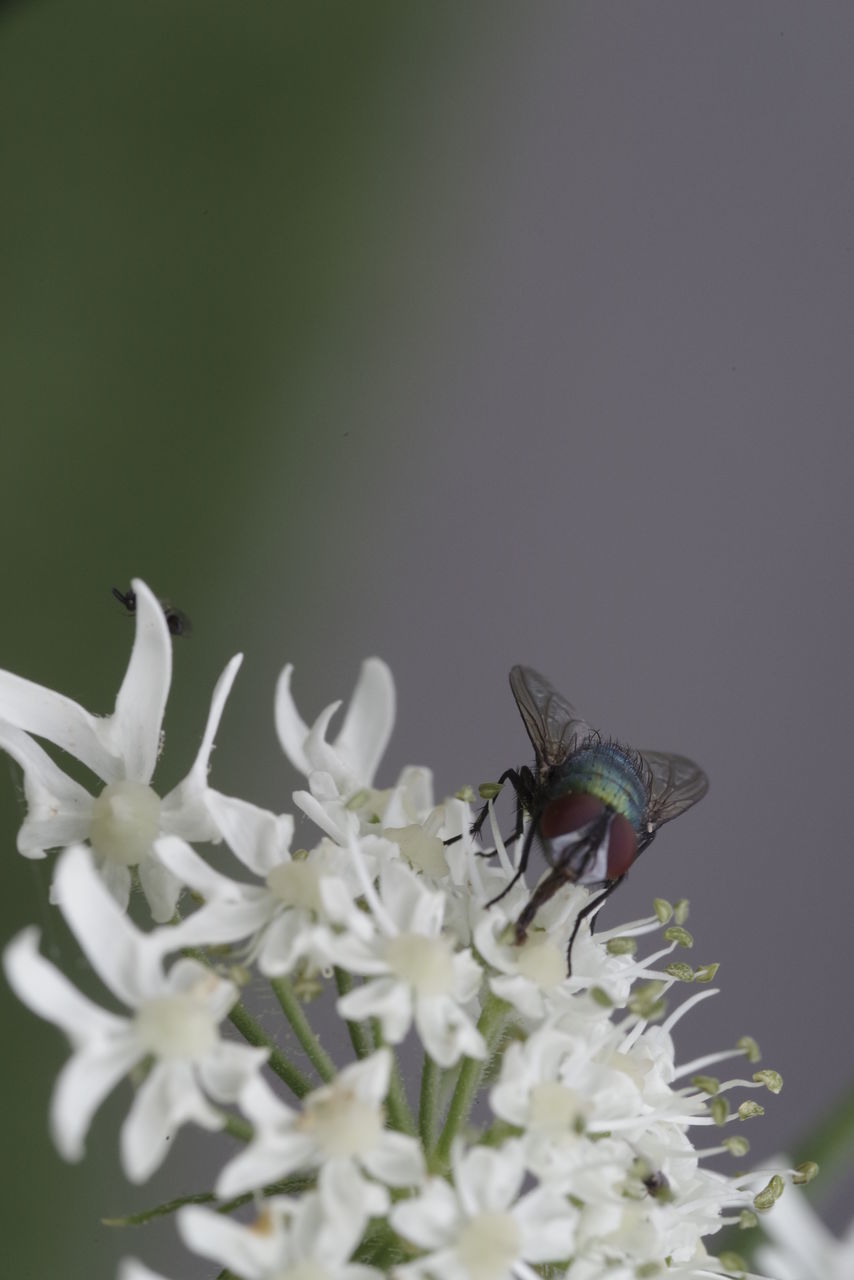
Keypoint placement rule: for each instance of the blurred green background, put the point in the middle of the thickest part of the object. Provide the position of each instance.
(196, 240)
(465, 334)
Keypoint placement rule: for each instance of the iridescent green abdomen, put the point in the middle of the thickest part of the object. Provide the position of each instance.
(608, 772)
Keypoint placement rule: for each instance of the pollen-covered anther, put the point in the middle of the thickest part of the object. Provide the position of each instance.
(425, 963)
(125, 822)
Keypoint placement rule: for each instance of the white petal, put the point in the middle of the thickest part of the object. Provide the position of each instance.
(131, 1269)
(133, 731)
(488, 1179)
(39, 984)
(290, 726)
(58, 808)
(369, 721)
(167, 1098)
(51, 715)
(397, 1160)
(331, 816)
(161, 888)
(349, 1198)
(260, 839)
(265, 1160)
(126, 961)
(368, 1078)
(81, 1087)
(247, 1252)
(184, 810)
(225, 1072)
(446, 1031)
(382, 998)
(430, 1220)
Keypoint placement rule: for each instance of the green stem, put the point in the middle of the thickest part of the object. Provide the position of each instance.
(285, 1070)
(238, 1128)
(427, 1102)
(490, 1024)
(293, 1011)
(360, 1037)
(398, 1104)
(159, 1211)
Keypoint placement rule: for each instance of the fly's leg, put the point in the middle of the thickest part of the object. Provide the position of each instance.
(567, 871)
(523, 860)
(587, 910)
(521, 787)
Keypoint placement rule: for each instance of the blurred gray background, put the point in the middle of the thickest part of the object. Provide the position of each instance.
(464, 334)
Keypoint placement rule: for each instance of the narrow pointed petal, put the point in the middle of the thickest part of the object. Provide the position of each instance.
(290, 726)
(42, 988)
(260, 839)
(85, 1080)
(51, 715)
(230, 1244)
(127, 961)
(168, 1098)
(369, 720)
(184, 811)
(133, 730)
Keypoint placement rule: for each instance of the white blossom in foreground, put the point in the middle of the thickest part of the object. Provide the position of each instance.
(297, 1239)
(174, 1023)
(548, 1126)
(340, 1131)
(414, 972)
(801, 1247)
(123, 821)
(483, 1227)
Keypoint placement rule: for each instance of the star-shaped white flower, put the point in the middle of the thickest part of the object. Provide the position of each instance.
(173, 1022)
(414, 971)
(481, 1228)
(123, 821)
(340, 1130)
(283, 915)
(289, 1238)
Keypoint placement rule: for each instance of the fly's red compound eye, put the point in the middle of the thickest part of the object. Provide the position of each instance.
(622, 846)
(569, 813)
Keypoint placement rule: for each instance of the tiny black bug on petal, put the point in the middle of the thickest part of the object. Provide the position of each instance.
(176, 620)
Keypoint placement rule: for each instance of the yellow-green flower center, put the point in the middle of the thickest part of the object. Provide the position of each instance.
(125, 822)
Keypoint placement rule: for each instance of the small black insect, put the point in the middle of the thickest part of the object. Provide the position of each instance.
(594, 804)
(176, 620)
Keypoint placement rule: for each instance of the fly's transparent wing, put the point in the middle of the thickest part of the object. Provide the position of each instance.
(554, 726)
(675, 784)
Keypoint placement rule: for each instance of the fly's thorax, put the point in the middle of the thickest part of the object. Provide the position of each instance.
(608, 772)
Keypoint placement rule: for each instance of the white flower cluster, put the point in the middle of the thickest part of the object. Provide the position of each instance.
(550, 1132)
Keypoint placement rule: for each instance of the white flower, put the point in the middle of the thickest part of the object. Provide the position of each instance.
(481, 1228)
(414, 971)
(351, 761)
(174, 1022)
(281, 915)
(802, 1248)
(296, 1239)
(123, 821)
(340, 1130)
